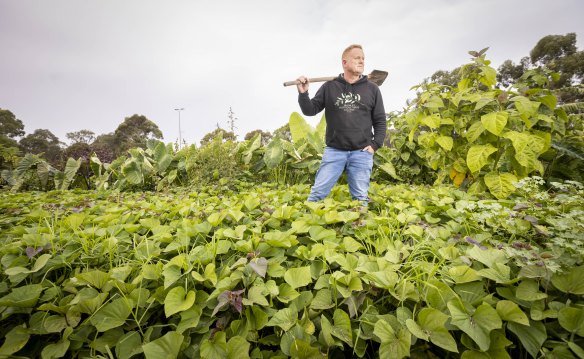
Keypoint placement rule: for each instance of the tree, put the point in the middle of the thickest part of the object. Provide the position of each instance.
(446, 78)
(560, 54)
(509, 73)
(557, 53)
(45, 142)
(134, 132)
(283, 132)
(225, 135)
(78, 150)
(266, 136)
(104, 147)
(82, 136)
(10, 127)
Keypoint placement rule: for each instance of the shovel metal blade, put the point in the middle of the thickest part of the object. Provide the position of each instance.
(377, 77)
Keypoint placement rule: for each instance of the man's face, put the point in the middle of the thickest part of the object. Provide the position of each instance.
(354, 61)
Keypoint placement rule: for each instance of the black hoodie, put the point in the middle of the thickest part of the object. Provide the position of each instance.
(351, 111)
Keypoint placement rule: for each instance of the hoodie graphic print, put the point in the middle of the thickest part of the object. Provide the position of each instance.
(355, 116)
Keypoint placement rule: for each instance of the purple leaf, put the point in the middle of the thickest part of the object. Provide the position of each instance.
(31, 251)
(472, 241)
(531, 219)
(520, 207)
(234, 298)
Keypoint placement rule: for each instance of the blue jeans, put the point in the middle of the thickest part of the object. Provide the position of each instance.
(358, 164)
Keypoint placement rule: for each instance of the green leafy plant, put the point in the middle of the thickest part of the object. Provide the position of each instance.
(255, 271)
(481, 136)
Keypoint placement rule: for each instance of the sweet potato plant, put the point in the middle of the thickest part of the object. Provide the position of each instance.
(254, 271)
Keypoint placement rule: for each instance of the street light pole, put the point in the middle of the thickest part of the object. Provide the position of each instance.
(179, 131)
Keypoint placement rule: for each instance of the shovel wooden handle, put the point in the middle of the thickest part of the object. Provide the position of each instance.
(314, 79)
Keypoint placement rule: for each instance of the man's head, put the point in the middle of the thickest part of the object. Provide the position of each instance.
(353, 60)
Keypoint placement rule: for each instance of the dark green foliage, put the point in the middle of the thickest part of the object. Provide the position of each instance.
(218, 133)
(212, 161)
(43, 142)
(134, 132)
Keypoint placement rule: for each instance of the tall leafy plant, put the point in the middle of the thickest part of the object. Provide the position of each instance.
(156, 167)
(481, 136)
(287, 161)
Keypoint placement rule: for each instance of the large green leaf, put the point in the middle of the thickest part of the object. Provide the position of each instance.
(298, 277)
(162, 157)
(255, 296)
(342, 326)
(29, 161)
(22, 297)
(434, 102)
(432, 121)
(389, 168)
(316, 142)
(489, 256)
(478, 156)
(322, 300)
(55, 350)
(112, 315)
(392, 345)
(570, 282)
(303, 350)
(431, 326)
(274, 153)
(474, 131)
(237, 348)
(129, 345)
(500, 184)
(95, 278)
(285, 318)
(528, 148)
(438, 294)
(299, 128)
(446, 142)
(132, 172)
(489, 76)
(477, 325)
(177, 300)
(38, 265)
(497, 350)
(526, 108)
(510, 311)
(71, 168)
(572, 319)
(254, 144)
(165, 347)
(531, 337)
(528, 290)
(14, 340)
(495, 122)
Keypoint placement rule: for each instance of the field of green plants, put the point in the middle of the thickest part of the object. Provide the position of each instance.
(243, 271)
(472, 245)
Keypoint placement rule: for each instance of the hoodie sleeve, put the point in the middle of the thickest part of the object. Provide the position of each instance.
(311, 107)
(379, 121)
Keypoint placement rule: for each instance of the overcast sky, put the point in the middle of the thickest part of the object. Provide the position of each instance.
(68, 65)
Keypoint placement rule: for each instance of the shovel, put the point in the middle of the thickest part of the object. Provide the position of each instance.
(376, 76)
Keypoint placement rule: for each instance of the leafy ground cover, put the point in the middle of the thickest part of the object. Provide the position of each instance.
(254, 271)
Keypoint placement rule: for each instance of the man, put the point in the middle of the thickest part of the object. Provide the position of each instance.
(353, 108)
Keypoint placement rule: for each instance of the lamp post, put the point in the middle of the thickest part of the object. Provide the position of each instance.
(179, 131)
